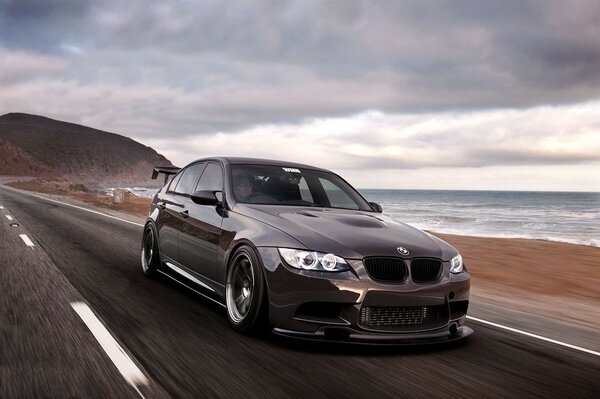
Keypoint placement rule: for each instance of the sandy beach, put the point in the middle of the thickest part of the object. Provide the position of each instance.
(542, 277)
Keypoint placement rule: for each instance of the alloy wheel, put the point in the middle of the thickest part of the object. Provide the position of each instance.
(240, 288)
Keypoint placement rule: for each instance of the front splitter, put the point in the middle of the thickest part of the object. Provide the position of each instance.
(357, 337)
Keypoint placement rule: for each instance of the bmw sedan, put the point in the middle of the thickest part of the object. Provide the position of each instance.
(296, 249)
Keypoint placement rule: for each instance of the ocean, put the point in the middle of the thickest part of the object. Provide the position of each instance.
(572, 217)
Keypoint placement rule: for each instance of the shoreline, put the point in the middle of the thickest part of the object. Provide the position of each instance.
(515, 237)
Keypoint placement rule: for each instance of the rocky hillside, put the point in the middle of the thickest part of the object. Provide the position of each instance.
(32, 145)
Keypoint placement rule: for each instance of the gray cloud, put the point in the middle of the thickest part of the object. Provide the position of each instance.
(40, 25)
(461, 54)
(563, 135)
(188, 69)
(22, 66)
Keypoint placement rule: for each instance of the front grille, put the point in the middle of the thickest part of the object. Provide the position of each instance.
(403, 318)
(425, 270)
(386, 269)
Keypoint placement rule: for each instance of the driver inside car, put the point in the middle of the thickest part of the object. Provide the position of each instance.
(243, 187)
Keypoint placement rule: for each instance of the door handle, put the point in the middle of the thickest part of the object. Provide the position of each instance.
(185, 214)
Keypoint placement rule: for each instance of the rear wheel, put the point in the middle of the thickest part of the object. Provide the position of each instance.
(245, 291)
(149, 254)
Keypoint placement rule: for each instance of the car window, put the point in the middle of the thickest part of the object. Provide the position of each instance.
(188, 179)
(212, 178)
(276, 185)
(174, 181)
(337, 197)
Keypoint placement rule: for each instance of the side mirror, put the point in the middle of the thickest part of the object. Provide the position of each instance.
(205, 198)
(376, 207)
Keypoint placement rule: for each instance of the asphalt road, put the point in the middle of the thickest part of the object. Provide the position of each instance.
(185, 347)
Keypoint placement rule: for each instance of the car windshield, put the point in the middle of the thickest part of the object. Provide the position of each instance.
(276, 185)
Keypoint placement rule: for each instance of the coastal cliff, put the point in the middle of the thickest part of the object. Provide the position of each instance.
(32, 145)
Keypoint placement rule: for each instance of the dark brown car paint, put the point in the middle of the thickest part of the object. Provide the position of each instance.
(209, 234)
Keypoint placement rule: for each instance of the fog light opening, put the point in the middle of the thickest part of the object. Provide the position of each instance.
(451, 295)
(453, 329)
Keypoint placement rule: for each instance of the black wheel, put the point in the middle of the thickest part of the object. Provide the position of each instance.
(245, 292)
(150, 256)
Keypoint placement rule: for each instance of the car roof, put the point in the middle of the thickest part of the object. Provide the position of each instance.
(260, 161)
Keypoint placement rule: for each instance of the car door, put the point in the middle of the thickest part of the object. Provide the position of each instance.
(172, 210)
(169, 207)
(198, 242)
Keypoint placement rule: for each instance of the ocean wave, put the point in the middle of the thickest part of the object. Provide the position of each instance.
(559, 217)
(435, 219)
(450, 219)
(539, 225)
(592, 242)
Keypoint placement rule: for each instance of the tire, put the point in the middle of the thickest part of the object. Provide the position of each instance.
(149, 253)
(245, 292)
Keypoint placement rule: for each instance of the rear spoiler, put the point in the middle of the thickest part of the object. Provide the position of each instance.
(166, 170)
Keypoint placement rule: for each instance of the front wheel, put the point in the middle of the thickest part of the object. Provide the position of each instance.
(149, 253)
(245, 291)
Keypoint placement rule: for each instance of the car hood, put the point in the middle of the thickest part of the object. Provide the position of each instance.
(347, 233)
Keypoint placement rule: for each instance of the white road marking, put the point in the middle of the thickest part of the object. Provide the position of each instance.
(511, 329)
(26, 240)
(132, 374)
(468, 317)
(82, 208)
(1, 207)
(10, 218)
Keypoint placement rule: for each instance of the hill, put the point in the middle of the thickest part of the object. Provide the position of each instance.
(32, 145)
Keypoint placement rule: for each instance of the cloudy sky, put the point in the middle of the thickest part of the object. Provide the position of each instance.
(390, 94)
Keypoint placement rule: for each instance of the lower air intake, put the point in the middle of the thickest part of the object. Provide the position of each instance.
(403, 318)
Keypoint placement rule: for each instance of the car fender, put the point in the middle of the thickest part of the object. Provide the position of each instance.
(251, 232)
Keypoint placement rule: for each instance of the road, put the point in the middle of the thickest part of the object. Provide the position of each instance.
(184, 346)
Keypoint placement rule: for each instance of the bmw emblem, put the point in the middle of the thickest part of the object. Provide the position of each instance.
(402, 251)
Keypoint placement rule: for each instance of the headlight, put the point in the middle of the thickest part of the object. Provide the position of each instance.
(309, 260)
(456, 264)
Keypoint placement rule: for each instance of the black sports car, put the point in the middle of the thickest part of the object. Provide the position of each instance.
(296, 248)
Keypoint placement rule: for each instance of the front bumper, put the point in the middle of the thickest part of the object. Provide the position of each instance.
(336, 306)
